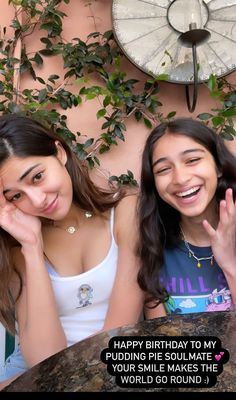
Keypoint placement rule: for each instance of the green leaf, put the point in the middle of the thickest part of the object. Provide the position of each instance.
(229, 113)
(147, 102)
(49, 88)
(90, 162)
(42, 95)
(53, 77)
(101, 113)
(162, 77)
(63, 104)
(227, 136)
(38, 78)
(147, 123)
(79, 100)
(119, 134)
(217, 121)
(81, 80)
(15, 24)
(138, 115)
(212, 82)
(93, 58)
(107, 101)
(103, 149)
(46, 41)
(37, 59)
(47, 52)
(171, 114)
(91, 96)
(96, 160)
(113, 178)
(88, 143)
(107, 124)
(216, 93)
(230, 130)
(204, 116)
(108, 35)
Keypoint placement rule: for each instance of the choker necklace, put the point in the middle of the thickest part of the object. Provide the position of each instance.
(73, 228)
(191, 253)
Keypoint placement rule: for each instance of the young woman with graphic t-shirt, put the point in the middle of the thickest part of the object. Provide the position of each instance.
(187, 220)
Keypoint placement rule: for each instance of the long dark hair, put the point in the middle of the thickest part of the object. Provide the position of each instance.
(159, 223)
(23, 137)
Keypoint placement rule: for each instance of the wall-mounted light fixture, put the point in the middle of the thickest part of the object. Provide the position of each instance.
(194, 36)
(186, 40)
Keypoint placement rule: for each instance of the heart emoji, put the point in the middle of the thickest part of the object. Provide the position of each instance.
(218, 357)
(222, 353)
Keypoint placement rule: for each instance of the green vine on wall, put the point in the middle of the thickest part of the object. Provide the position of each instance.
(98, 59)
(93, 68)
(222, 118)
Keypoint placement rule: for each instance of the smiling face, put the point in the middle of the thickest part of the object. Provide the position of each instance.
(40, 186)
(185, 175)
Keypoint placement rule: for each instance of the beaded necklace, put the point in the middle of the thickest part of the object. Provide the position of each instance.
(191, 253)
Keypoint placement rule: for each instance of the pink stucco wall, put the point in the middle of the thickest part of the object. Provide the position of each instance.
(79, 23)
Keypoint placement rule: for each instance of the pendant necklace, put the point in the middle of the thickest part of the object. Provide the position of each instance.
(191, 253)
(74, 228)
(71, 229)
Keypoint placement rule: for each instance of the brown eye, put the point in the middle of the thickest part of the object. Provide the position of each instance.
(192, 160)
(38, 177)
(16, 197)
(162, 170)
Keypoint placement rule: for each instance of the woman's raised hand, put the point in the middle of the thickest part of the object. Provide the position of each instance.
(25, 228)
(223, 238)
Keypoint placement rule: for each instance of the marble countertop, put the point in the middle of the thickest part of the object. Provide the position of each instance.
(79, 368)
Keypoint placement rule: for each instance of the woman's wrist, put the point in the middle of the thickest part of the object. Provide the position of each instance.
(30, 250)
(230, 271)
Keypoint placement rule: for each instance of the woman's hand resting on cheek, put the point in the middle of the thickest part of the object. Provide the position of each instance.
(25, 228)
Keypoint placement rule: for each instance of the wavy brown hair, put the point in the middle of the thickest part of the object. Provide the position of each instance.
(159, 223)
(23, 137)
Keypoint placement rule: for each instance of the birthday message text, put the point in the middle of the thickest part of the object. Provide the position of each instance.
(161, 361)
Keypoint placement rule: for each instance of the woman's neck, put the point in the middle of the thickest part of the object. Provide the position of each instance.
(195, 234)
(74, 216)
(194, 231)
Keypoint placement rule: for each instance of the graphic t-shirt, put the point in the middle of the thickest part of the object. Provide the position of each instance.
(194, 289)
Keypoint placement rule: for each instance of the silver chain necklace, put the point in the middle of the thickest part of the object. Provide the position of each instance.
(191, 253)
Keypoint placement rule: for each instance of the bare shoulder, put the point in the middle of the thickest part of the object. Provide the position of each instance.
(127, 203)
(126, 217)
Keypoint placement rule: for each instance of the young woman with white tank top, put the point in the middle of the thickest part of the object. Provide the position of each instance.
(82, 300)
(67, 247)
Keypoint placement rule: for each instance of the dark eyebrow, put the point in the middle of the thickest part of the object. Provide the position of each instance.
(183, 153)
(27, 172)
